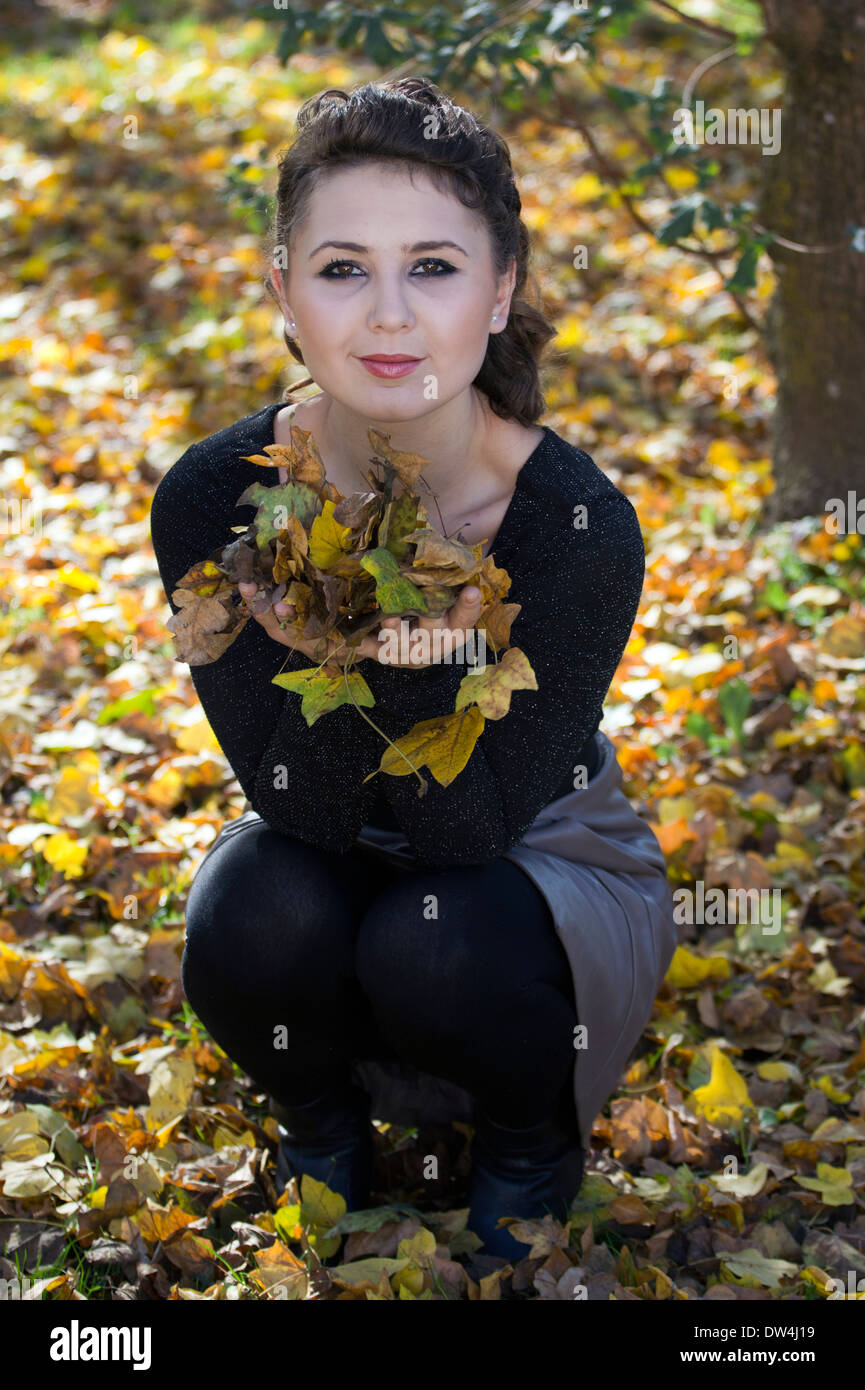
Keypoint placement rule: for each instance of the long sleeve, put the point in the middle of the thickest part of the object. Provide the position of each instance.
(579, 590)
(303, 780)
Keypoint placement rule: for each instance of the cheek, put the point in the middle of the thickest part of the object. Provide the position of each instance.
(467, 321)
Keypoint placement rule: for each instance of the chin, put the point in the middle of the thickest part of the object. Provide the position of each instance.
(394, 411)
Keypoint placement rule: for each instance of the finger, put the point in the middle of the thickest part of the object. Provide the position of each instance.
(248, 591)
(466, 611)
(367, 647)
(280, 629)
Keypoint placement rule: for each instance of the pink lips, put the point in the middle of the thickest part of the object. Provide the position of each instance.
(390, 366)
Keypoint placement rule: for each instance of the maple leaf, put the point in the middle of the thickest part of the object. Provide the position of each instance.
(491, 689)
(325, 689)
(444, 743)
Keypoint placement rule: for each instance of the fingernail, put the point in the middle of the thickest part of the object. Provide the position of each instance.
(472, 593)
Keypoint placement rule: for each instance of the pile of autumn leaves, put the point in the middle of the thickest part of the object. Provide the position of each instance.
(139, 1157)
(345, 563)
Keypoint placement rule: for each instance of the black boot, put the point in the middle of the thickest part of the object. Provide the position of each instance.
(522, 1172)
(330, 1138)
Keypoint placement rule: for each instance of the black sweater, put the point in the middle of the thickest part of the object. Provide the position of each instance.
(579, 586)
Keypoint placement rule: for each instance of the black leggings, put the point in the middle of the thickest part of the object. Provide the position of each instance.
(298, 959)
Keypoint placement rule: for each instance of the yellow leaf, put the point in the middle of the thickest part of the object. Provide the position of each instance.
(817, 1278)
(827, 1085)
(366, 1274)
(197, 738)
(165, 789)
(776, 1071)
(853, 762)
(20, 1138)
(687, 970)
(75, 790)
(328, 541)
(722, 457)
(63, 853)
(826, 979)
(444, 744)
(680, 178)
(36, 267)
(491, 688)
(743, 1184)
(225, 1138)
(408, 1282)
(725, 1094)
(788, 856)
(572, 332)
(320, 1206)
(585, 188)
(416, 1247)
(171, 1085)
(674, 808)
(834, 1185)
(77, 579)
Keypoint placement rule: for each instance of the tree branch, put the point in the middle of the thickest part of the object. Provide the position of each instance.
(714, 29)
(613, 172)
(616, 176)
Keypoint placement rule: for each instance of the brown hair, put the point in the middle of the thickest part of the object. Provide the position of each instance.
(389, 122)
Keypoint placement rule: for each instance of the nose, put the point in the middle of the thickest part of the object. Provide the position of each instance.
(389, 310)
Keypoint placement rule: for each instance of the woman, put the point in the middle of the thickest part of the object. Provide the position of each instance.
(498, 943)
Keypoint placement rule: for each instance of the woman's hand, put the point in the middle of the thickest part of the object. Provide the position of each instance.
(401, 650)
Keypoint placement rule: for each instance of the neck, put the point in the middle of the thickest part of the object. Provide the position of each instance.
(449, 437)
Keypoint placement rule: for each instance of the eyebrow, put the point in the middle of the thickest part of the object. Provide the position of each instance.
(406, 250)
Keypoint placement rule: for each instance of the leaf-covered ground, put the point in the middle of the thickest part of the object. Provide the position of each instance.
(135, 1160)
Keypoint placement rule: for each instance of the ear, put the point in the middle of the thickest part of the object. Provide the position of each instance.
(505, 291)
(275, 278)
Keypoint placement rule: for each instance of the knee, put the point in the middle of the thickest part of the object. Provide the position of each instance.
(226, 897)
(262, 908)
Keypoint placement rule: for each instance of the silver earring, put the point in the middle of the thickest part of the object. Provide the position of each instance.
(292, 325)
(495, 316)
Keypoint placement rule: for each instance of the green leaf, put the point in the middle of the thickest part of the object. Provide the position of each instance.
(323, 692)
(744, 277)
(681, 223)
(142, 700)
(712, 215)
(698, 725)
(624, 97)
(394, 592)
(734, 698)
(275, 504)
(776, 596)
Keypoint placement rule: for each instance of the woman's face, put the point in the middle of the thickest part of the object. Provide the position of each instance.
(386, 265)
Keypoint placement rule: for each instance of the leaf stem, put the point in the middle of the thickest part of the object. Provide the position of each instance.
(387, 740)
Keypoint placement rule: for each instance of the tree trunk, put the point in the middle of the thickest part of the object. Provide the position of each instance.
(814, 191)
